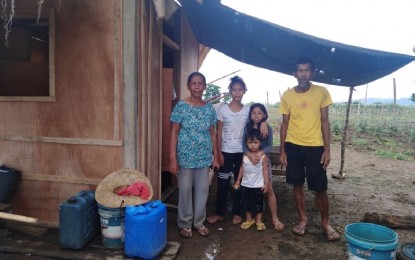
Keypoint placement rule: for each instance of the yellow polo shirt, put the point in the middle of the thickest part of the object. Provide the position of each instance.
(304, 126)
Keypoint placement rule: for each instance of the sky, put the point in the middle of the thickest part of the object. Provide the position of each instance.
(376, 24)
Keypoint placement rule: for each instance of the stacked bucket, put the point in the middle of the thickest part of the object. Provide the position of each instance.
(131, 222)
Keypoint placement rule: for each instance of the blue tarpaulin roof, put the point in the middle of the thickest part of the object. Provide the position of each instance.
(270, 46)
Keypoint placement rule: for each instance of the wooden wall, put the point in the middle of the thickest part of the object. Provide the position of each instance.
(189, 56)
(72, 143)
(167, 108)
(149, 94)
(69, 145)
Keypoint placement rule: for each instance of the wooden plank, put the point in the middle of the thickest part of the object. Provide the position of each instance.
(130, 83)
(389, 220)
(28, 99)
(203, 52)
(170, 43)
(60, 140)
(93, 250)
(142, 82)
(117, 68)
(189, 56)
(55, 178)
(278, 172)
(52, 29)
(171, 250)
(167, 86)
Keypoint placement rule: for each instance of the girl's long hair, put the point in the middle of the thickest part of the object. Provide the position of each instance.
(250, 123)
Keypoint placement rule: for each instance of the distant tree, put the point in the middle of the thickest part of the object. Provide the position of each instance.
(214, 91)
(412, 97)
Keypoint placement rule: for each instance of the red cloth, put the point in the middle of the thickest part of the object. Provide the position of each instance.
(135, 189)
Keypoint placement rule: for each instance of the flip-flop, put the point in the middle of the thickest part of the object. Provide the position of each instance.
(203, 231)
(300, 229)
(213, 219)
(260, 226)
(186, 232)
(331, 235)
(278, 227)
(247, 224)
(236, 220)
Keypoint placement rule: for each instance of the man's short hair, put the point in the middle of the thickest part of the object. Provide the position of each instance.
(304, 60)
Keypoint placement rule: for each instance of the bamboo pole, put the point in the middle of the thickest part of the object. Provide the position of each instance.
(227, 75)
(394, 99)
(344, 137)
(394, 92)
(364, 111)
(15, 217)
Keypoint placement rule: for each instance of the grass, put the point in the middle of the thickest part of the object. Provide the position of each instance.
(381, 129)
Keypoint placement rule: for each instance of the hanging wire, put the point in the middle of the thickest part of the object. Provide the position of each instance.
(8, 19)
(39, 9)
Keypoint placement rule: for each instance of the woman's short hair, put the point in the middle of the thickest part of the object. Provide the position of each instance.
(194, 74)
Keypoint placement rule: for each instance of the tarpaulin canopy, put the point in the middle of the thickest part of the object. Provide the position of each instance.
(270, 46)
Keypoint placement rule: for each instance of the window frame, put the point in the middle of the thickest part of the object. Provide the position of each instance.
(51, 97)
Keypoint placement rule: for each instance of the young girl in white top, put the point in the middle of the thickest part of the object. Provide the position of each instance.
(253, 182)
(258, 114)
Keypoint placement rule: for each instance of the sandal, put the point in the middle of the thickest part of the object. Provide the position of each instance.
(247, 224)
(260, 226)
(203, 231)
(213, 219)
(236, 220)
(186, 232)
(278, 226)
(300, 229)
(331, 235)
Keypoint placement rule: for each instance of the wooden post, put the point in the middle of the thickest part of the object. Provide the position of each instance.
(267, 100)
(344, 137)
(130, 65)
(394, 92)
(394, 98)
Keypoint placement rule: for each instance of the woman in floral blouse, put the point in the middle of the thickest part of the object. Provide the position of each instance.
(193, 142)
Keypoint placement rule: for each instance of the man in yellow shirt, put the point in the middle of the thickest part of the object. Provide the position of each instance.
(305, 143)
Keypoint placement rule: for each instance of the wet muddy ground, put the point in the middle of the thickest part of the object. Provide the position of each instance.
(373, 184)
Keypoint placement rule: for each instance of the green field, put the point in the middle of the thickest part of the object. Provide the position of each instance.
(381, 129)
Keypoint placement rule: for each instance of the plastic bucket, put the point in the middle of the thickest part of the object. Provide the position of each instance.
(406, 252)
(9, 179)
(370, 241)
(112, 226)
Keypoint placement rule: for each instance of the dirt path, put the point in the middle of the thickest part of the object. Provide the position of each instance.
(373, 184)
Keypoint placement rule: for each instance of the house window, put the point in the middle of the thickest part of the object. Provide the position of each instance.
(27, 66)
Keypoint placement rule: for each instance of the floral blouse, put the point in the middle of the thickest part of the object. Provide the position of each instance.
(194, 144)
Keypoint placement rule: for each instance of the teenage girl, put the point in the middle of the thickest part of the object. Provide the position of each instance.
(231, 121)
(257, 115)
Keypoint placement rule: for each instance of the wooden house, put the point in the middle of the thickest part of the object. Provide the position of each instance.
(86, 91)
